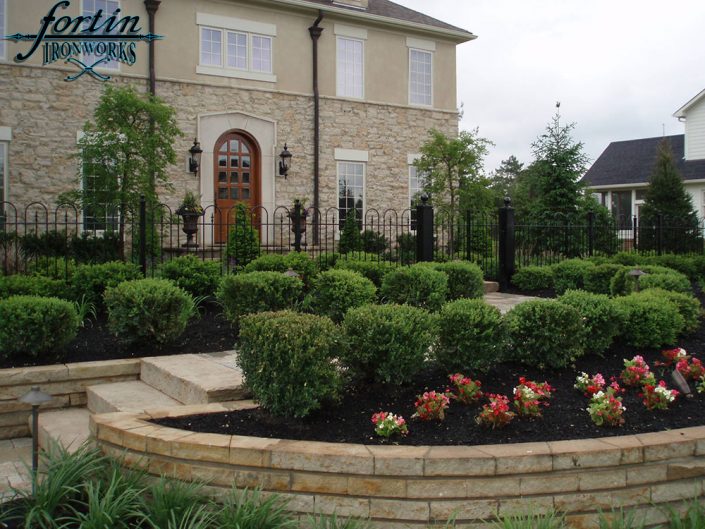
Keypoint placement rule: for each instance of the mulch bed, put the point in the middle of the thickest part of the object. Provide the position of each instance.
(565, 418)
(209, 333)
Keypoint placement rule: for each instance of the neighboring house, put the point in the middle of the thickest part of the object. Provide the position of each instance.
(240, 75)
(620, 176)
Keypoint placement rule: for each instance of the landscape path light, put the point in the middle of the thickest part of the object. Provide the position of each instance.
(35, 398)
(636, 274)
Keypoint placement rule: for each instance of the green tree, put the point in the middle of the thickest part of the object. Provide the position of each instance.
(503, 180)
(453, 169)
(243, 239)
(667, 196)
(125, 151)
(350, 237)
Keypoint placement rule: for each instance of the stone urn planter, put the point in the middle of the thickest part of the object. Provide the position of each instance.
(190, 211)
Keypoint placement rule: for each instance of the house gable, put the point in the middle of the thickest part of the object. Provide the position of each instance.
(694, 117)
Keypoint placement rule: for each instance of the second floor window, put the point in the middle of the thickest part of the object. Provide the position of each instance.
(91, 8)
(236, 50)
(350, 68)
(420, 77)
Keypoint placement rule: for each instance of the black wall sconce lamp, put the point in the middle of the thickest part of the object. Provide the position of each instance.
(194, 160)
(284, 162)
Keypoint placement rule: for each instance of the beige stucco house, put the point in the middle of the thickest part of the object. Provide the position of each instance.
(241, 75)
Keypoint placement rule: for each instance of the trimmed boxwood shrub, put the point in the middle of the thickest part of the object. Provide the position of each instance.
(680, 263)
(647, 320)
(31, 325)
(597, 279)
(622, 283)
(627, 259)
(417, 285)
(148, 310)
(374, 270)
(471, 336)
(688, 306)
(197, 277)
(299, 262)
(533, 278)
(336, 291)
(287, 360)
(600, 318)
(21, 285)
(387, 343)
(543, 333)
(465, 279)
(326, 260)
(569, 274)
(92, 280)
(258, 292)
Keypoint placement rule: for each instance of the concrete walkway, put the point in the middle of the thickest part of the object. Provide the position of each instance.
(14, 455)
(505, 302)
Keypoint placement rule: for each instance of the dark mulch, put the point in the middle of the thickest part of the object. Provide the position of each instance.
(211, 332)
(565, 418)
(545, 293)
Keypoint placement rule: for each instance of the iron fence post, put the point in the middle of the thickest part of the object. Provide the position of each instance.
(424, 230)
(507, 244)
(591, 232)
(468, 235)
(143, 236)
(297, 225)
(659, 234)
(634, 232)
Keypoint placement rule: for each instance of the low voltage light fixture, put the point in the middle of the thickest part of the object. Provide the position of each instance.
(35, 398)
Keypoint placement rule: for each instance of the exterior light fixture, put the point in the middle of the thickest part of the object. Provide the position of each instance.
(35, 398)
(292, 273)
(284, 162)
(681, 383)
(194, 161)
(636, 274)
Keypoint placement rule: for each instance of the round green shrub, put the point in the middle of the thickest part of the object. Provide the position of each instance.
(465, 279)
(471, 335)
(627, 259)
(387, 343)
(90, 281)
(544, 333)
(287, 360)
(417, 285)
(684, 264)
(600, 318)
(569, 274)
(597, 278)
(31, 325)
(533, 278)
(688, 306)
(647, 320)
(622, 283)
(299, 262)
(374, 270)
(326, 260)
(148, 310)
(42, 286)
(258, 292)
(336, 291)
(197, 277)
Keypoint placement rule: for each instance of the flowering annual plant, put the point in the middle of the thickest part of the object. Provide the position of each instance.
(496, 414)
(635, 371)
(606, 408)
(431, 405)
(529, 396)
(387, 424)
(700, 384)
(673, 356)
(589, 385)
(691, 370)
(658, 396)
(466, 390)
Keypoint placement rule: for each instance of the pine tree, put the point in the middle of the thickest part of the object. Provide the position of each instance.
(350, 238)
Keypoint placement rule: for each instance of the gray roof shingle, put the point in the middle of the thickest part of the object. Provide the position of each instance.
(632, 161)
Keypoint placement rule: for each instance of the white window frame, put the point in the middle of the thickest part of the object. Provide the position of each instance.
(82, 218)
(353, 157)
(3, 30)
(4, 187)
(424, 49)
(411, 167)
(338, 69)
(228, 26)
(110, 66)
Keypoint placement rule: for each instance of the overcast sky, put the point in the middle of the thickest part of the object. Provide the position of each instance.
(620, 68)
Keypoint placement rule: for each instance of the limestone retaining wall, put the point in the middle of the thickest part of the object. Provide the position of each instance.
(414, 486)
(66, 383)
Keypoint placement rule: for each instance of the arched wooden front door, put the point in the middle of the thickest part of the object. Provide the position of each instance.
(237, 178)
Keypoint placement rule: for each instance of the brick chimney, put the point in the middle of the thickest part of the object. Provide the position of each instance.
(360, 4)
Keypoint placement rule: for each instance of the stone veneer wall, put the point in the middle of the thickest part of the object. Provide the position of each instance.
(66, 383)
(413, 486)
(45, 113)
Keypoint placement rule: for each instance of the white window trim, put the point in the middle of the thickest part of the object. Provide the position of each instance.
(227, 71)
(423, 105)
(337, 66)
(236, 24)
(338, 161)
(3, 30)
(351, 155)
(420, 44)
(118, 66)
(350, 32)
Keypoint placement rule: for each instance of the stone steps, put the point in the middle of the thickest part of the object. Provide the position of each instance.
(68, 427)
(134, 396)
(491, 286)
(195, 379)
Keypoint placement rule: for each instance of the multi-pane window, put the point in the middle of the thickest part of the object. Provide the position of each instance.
(351, 190)
(242, 51)
(420, 77)
(622, 208)
(2, 28)
(100, 212)
(211, 47)
(416, 187)
(350, 68)
(90, 8)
